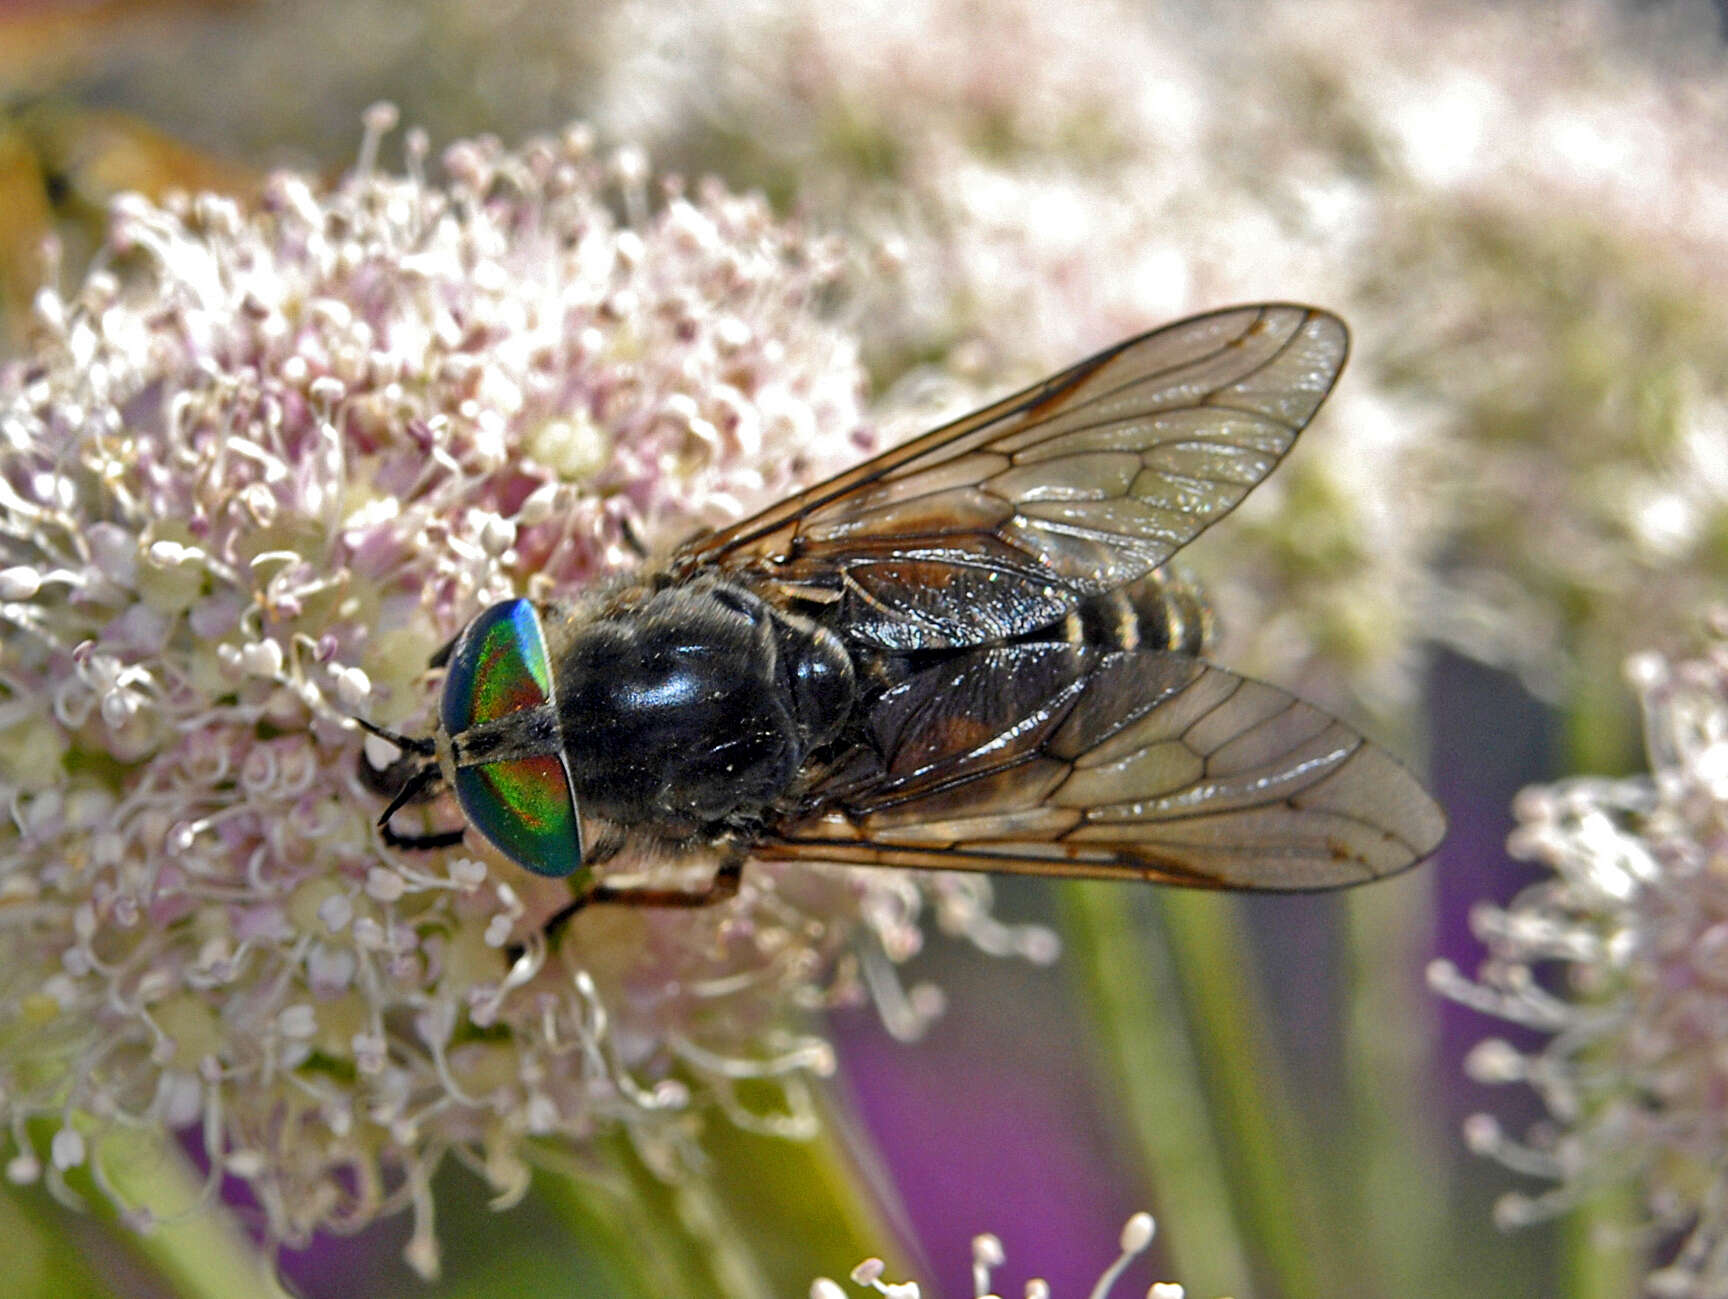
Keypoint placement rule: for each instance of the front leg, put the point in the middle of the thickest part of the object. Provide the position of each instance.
(419, 842)
(721, 888)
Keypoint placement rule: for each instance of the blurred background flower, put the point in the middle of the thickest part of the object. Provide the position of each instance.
(1616, 959)
(1521, 480)
(988, 1256)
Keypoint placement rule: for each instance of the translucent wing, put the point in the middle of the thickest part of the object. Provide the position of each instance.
(1003, 521)
(1074, 760)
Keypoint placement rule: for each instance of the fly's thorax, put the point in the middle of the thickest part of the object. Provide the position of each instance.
(819, 674)
(695, 705)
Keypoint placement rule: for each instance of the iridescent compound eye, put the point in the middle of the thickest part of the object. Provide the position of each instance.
(523, 805)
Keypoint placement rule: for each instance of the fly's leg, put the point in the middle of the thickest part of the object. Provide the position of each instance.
(420, 786)
(723, 887)
(419, 842)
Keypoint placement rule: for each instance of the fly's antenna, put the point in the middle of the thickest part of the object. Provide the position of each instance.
(427, 775)
(419, 746)
(423, 776)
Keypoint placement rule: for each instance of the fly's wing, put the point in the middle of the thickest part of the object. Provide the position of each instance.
(1001, 522)
(1072, 760)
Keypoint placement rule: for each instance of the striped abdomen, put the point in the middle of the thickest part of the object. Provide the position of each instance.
(1161, 611)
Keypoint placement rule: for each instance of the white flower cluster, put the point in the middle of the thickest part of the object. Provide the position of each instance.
(252, 474)
(1620, 959)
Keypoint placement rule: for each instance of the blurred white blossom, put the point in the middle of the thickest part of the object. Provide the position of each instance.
(988, 1255)
(252, 474)
(1518, 209)
(1620, 958)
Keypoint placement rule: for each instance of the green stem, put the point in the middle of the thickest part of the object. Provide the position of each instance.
(1593, 1269)
(761, 1220)
(1601, 736)
(1129, 987)
(1394, 1142)
(1169, 977)
(638, 1237)
(195, 1248)
(811, 1207)
(43, 1260)
(1288, 1206)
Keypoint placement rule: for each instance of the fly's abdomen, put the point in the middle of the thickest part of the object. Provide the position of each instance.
(1161, 611)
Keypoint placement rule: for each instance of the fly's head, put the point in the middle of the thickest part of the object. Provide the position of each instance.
(498, 746)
